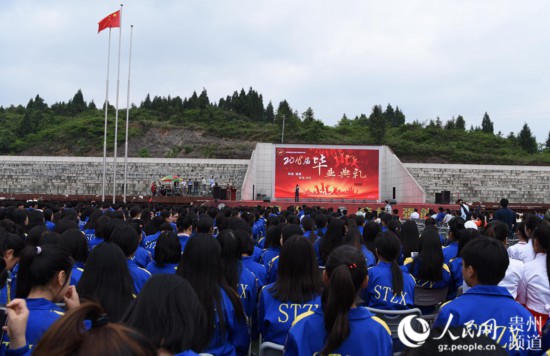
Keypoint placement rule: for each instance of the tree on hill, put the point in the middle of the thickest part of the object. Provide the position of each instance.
(399, 117)
(377, 124)
(526, 140)
(77, 104)
(487, 124)
(460, 123)
(548, 141)
(308, 116)
(269, 113)
(451, 124)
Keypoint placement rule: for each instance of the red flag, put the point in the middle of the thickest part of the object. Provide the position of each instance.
(113, 20)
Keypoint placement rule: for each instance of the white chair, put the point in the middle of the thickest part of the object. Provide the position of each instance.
(271, 349)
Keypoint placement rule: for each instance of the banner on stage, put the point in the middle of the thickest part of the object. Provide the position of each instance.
(327, 173)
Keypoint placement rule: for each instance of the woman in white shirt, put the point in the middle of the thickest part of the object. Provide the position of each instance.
(515, 250)
(534, 288)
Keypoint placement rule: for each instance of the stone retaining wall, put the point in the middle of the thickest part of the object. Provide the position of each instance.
(84, 175)
(519, 184)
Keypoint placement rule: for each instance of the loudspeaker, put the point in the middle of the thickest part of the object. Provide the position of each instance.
(438, 198)
(445, 197)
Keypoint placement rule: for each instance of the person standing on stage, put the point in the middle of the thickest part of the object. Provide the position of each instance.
(297, 193)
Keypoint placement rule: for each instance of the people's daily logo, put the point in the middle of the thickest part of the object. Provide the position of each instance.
(410, 337)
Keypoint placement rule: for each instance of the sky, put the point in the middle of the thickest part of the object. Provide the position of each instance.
(432, 58)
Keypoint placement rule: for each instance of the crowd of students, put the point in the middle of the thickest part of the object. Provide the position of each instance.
(87, 278)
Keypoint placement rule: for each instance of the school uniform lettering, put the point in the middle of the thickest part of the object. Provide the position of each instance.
(242, 290)
(379, 291)
(287, 309)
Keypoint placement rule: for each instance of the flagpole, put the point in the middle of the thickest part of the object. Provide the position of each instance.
(127, 115)
(106, 115)
(116, 109)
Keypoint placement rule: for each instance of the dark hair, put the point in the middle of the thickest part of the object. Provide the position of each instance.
(126, 238)
(169, 313)
(39, 265)
(531, 223)
(76, 244)
(410, 238)
(36, 218)
(498, 230)
(430, 256)
(63, 225)
(370, 231)
(231, 257)
(467, 236)
(8, 241)
(504, 202)
(69, 335)
(456, 228)
(308, 225)
(167, 249)
(388, 247)
(205, 224)
(201, 265)
(353, 238)
(290, 230)
(185, 222)
(298, 279)
(106, 280)
(346, 269)
(92, 220)
(488, 257)
(333, 238)
(542, 237)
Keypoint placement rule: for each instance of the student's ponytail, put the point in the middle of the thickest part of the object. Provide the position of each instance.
(346, 269)
(38, 265)
(388, 247)
(70, 335)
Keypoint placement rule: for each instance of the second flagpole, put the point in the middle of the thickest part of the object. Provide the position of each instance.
(116, 109)
(127, 115)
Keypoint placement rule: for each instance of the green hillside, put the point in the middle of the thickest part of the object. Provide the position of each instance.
(199, 127)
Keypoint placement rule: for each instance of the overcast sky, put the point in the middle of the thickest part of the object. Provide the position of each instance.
(429, 57)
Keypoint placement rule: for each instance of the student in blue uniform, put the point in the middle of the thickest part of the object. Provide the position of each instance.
(91, 224)
(200, 264)
(272, 244)
(238, 277)
(455, 264)
(286, 232)
(167, 254)
(101, 337)
(185, 229)
(11, 246)
(44, 275)
(339, 327)
(76, 243)
(309, 229)
(333, 238)
(297, 290)
(151, 240)
(428, 268)
(389, 287)
(142, 257)
(128, 240)
(247, 247)
(106, 280)
(353, 238)
(410, 238)
(169, 313)
(456, 227)
(370, 231)
(486, 305)
(99, 231)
